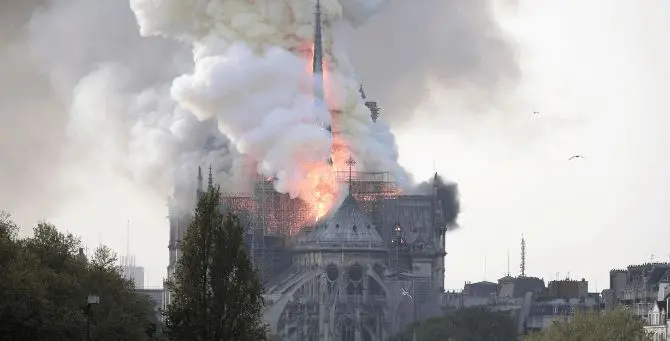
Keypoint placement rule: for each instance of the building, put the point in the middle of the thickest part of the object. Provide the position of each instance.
(373, 266)
(644, 290)
(130, 271)
(157, 297)
(345, 275)
(533, 305)
(637, 287)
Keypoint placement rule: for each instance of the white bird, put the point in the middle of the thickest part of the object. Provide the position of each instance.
(575, 157)
(404, 292)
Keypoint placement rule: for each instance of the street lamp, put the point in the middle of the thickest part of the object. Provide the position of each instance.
(411, 296)
(90, 300)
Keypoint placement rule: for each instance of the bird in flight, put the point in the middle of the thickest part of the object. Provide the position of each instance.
(404, 292)
(575, 157)
(536, 112)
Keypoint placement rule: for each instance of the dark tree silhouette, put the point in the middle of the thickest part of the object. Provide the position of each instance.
(44, 282)
(216, 292)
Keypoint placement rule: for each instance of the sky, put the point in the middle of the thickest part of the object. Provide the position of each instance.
(597, 74)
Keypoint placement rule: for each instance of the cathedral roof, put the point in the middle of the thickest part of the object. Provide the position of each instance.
(348, 227)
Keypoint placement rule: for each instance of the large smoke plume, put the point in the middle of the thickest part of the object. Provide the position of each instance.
(445, 46)
(80, 86)
(447, 195)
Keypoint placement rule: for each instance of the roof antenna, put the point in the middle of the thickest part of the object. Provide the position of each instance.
(127, 260)
(508, 263)
(523, 256)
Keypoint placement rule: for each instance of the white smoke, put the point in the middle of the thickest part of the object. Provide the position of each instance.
(81, 67)
(116, 86)
(251, 74)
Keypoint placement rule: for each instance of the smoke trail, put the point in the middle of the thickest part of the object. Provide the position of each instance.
(100, 93)
(29, 152)
(251, 74)
(457, 44)
(447, 194)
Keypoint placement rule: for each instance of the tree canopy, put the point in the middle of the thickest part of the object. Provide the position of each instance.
(44, 283)
(593, 326)
(216, 292)
(466, 324)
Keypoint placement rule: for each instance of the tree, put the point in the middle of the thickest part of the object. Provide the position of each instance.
(216, 292)
(466, 324)
(44, 283)
(593, 326)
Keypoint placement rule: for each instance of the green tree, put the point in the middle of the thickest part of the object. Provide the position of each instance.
(617, 325)
(216, 292)
(467, 324)
(44, 283)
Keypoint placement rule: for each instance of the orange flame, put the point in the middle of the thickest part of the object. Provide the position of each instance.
(320, 188)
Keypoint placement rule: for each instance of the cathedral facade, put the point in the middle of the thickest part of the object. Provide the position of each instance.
(364, 272)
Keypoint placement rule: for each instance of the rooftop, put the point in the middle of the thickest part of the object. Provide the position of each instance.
(348, 227)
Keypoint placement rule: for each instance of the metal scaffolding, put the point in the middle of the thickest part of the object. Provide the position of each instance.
(272, 220)
(375, 193)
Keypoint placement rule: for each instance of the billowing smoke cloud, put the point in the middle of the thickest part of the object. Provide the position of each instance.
(447, 194)
(456, 44)
(253, 76)
(81, 87)
(29, 152)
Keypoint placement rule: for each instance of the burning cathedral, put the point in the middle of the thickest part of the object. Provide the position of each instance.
(363, 271)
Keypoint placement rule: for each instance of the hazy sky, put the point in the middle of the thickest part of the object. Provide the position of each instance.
(598, 73)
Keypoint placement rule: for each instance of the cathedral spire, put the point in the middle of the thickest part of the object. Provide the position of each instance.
(317, 67)
(317, 61)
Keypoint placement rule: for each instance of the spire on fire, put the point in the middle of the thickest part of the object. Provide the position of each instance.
(317, 67)
(317, 61)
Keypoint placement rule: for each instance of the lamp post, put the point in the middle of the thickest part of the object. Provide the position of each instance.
(90, 300)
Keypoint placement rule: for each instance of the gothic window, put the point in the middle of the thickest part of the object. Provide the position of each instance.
(332, 273)
(355, 273)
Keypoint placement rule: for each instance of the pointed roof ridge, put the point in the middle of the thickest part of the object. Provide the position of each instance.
(348, 227)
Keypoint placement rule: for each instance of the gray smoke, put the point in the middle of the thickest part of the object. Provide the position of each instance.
(81, 87)
(29, 144)
(455, 43)
(447, 195)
